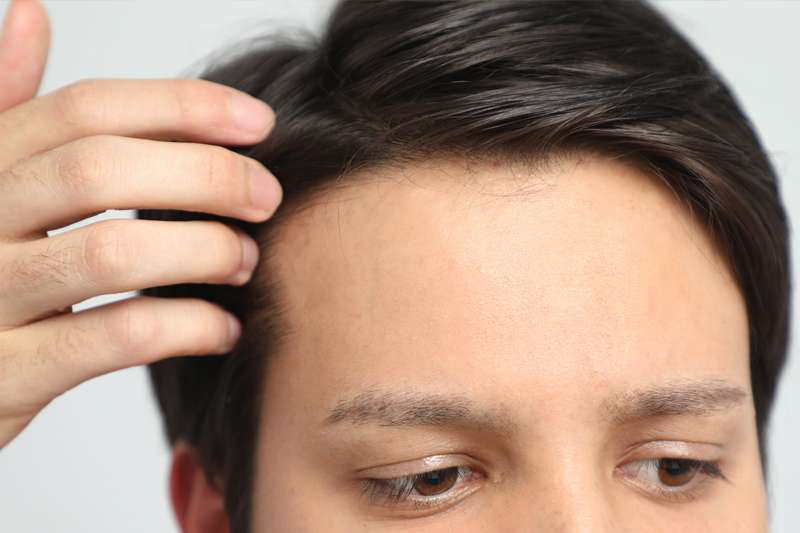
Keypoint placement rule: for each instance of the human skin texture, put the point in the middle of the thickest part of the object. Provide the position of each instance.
(553, 333)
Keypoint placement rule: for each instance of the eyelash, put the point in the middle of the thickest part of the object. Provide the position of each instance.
(691, 490)
(394, 492)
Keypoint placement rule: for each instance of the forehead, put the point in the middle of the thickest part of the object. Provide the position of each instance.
(590, 271)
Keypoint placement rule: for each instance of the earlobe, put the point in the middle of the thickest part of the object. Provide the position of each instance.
(199, 507)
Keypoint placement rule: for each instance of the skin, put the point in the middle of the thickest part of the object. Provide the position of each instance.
(546, 299)
(547, 309)
(550, 314)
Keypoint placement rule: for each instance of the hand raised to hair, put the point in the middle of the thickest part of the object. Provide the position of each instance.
(102, 144)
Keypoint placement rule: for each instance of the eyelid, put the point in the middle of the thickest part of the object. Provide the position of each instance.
(417, 466)
(643, 456)
(706, 473)
(673, 449)
(394, 498)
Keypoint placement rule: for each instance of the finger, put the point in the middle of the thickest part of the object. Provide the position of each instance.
(118, 255)
(175, 109)
(43, 359)
(23, 51)
(60, 311)
(64, 185)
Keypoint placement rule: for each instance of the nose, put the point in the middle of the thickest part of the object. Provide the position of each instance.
(565, 499)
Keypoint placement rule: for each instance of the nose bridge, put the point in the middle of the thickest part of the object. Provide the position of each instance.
(570, 495)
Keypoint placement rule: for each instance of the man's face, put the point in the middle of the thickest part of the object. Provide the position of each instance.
(498, 350)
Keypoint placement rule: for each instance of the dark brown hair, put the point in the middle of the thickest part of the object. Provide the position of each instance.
(388, 82)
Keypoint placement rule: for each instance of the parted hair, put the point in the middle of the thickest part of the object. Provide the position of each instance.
(392, 81)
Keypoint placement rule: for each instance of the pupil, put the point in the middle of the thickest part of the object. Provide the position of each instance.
(674, 467)
(433, 478)
(436, 481)
(675, 472)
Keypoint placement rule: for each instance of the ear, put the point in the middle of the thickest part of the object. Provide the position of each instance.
(199, 507)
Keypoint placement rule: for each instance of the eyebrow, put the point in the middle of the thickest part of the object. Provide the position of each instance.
(678, 398)
(410, 408)
(390, 408)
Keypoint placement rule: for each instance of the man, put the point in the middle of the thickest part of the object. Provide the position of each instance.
(529, 273)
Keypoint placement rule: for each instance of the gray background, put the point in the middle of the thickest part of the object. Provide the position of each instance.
(95, 461)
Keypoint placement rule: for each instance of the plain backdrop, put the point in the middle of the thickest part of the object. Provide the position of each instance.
(95, 460)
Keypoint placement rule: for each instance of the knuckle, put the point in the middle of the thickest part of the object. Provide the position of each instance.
(221, 339)
(229, 253)
(131, 326)
(185, 95)
(212, 325)
(81, 165)
(234, 247)
(219, 328)
(77, 103)
(199, 102)
(222, 170)
(107, 250)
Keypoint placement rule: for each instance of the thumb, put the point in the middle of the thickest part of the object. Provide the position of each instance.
(24, 44)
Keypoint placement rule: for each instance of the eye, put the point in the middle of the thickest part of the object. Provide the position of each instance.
(677, 472)
(431, 490)
(436, 481)
(673, 479)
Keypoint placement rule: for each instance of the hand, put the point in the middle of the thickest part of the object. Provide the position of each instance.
(102, 144)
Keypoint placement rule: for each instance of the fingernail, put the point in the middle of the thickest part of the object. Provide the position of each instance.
(251, 114)
(249, 258)
(265, 191)
(234, 329)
